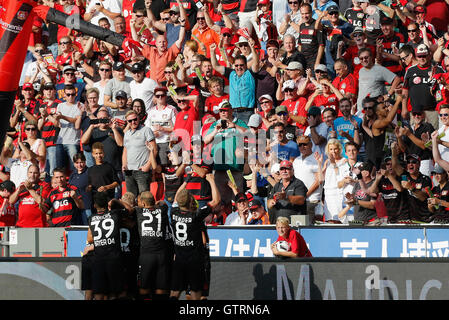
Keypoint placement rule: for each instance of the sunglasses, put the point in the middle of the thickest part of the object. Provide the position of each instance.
(302, 144)
(182, 101)
(282, 114)
(364, 58)
(70, 73)
(404, 58)
(289, 90)
(30, 129)
(239, 65)
(423, 56)
(39, 51)
(443, 115)
(166, 72)
(70, 94)
(64, 42)
(139, 15)
(226, 34)
(412, 30)
(334, 13)
(356, 35)
(132, 120)
(283, 169)
(165, 19)
(159, 95)
(200, 18)
(293, 2)
(413, 161)
(102, 69)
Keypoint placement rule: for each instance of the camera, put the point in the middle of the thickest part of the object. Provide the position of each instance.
(94, 121)
(224, 124)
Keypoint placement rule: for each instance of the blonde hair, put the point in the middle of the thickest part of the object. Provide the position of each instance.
(334, 142)
(283, 221)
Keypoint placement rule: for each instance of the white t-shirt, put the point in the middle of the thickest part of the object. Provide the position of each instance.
(144, 91)
(444, 151)
(165, 117)
(115, 6)
(18, 170)
(234, 219)
(101, 92)
(68, 134)
(304, 170)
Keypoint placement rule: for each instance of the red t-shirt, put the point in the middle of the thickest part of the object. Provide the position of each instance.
(346, 85)
(212, 102)
(297, 108)
(30, 215)
(296, 244)
(330, 101)
(184, 121)
(7, 213)
(64, 31)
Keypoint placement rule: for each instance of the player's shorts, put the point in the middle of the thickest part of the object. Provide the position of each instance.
(155, 270)
(86, 272)
(108, 275)
(188, 274)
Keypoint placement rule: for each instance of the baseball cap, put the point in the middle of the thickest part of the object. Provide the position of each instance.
(27, 85)
(366, 166)
(280, 109)
(314, 111)
(68, 68)
(321, 67)
(255, 204)
(121, 94)
(420, 9)
(263, 2)
(438, 169)
(255, 120)
(422, 50)
(332, 8)
(118, 65)
(295, 65)
(224, 105)
(413, 156)
(226, 30)
(241, 40)
(386, 20)
(285, 164)
(8, 185)
(357, 30)
(265, 96)
(289, 84)
(137, 67)
(239, 197)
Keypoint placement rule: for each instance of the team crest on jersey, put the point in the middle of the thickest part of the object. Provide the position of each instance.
(356, 60)
(360, 15)
(186, 117)
(444, 193)
(418, 186)
(417, 80)
(22, 15)
(311, 31)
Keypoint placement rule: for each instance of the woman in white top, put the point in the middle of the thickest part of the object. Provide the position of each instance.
(37, 145)
(334, 169)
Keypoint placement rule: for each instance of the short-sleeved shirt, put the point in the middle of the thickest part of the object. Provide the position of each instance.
(283, 207)
(296, 243)
(136, 150)
(67, 132)
(30, 215)
(362, 213)
(65, 210)
(159, 61)
(114, 85)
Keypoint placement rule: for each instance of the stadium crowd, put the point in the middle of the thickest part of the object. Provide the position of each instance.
(255, 110)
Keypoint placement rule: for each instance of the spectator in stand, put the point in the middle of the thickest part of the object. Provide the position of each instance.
(119, 82)
(105, 73)
(281, 147)
(204, 35)
(416, 36)
(388, 45)
(216, 88)
(37, 145)
(317, 130)
(139, 107)
(345, 81)
(30, 195)
(241, 215)
(355, 14)
(291, 54)
(161, 54)
(109, 9)
(65, 201)
(68, 75)
(19, 163)
(307, 168)
(372, 79)
(291, 21)
(142, 87)
(292, 243)
(325, 96)
(136, 158)
(418, 81)
(443, 133)
(311, 41)
(258, 214)
(288, 196)
(79, 179)
(347, 125)
(68, 115)
(407, 57)
(7, 210)
(439, 203)
(26, 108)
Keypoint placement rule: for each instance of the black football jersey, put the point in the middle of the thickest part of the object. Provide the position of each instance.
(105, 230)
(154, 228)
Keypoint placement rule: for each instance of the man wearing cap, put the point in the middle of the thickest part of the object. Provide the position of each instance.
(142, 87)
(410, 139)
(118, 114)
(119, 82)
(418, 82)
(282, 116)
(388, 45)
(335, 30)
(68, 75)
(415, 183)
(288, 196)
(311, 41)
(242, 214)
(317, 130)
(438, 204)
(25, 109)
(225, 135)
(321, 6)
(281, 147)
(266, 104)
(258, 214)
(307, 169)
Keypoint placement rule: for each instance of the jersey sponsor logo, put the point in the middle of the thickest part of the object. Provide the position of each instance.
(61, 204)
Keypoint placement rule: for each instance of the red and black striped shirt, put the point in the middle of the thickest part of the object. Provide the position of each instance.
(49, 131)
(64, 207)
(199, 187)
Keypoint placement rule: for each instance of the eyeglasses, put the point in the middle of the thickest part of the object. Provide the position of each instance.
(320, 71)
(356, 35)
(239, 65)
(30, 129)
(165, 19)
(132, 120)
(444, 115)
(282, 114)
(423, 56)
(293, 2)
(182, 101)
(412, 30)
(166, 72)
(159, 95)
(265, 102)
(102, 69)
(70, 94)
(289, 90)
(364, 57)
(200, 18)
(283, 169)
(139, 15)
(404, 58)
(39, 51)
